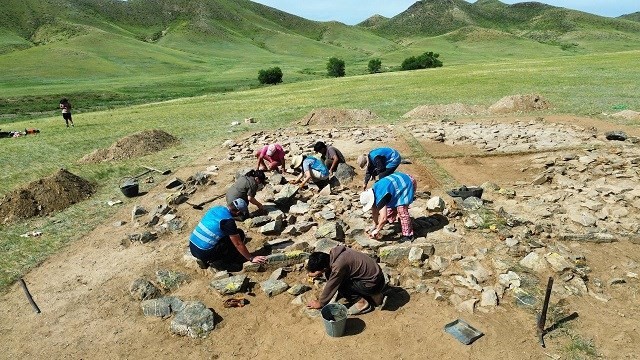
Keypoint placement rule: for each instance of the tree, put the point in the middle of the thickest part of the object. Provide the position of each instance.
(270, 76)
(335, 67)
(424, 61)
(374, 66)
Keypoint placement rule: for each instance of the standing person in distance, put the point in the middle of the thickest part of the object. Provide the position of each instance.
(379, 163)
(65, 105)
(329, 155)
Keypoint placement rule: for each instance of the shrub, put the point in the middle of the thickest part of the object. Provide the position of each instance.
(424, 61)
(335, 67)
(374, 66)
(270, 76)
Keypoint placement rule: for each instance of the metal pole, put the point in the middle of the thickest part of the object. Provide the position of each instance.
(542, 318)
(26, 292)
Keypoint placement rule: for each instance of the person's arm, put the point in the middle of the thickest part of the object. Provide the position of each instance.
(306, 178)
(242, 249)
(334, 164)
(379, 214)
(260, 162)
(297, 180)
(255, 202)
(230, 229)
(333, 283)
(367, 177)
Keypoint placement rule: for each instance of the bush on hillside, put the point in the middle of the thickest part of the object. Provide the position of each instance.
(270, 76)
(424, 61)
(335, 67)
(374, 66)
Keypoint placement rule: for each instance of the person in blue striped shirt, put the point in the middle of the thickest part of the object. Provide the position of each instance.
(379, 162)
(217, 241)
(388, 200)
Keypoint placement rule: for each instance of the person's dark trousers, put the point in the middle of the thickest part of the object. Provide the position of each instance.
(387, 172)
(354, 290)
(321, 183)
(224, 252)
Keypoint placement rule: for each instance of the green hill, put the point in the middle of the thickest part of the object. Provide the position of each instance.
(537, 21)
(633, 16)
(111, 53)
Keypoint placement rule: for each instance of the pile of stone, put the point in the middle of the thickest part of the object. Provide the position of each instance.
(192, 318)
(515, 137)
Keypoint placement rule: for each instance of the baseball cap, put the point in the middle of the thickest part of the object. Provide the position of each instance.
(241, 205)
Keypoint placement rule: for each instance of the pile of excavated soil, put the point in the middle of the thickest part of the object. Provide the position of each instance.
(45, 196)
(132, 146)
(457, 109)
(627, 115)
(328, 116)
(519, 103)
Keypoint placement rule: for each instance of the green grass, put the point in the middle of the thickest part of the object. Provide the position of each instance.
(585, 84)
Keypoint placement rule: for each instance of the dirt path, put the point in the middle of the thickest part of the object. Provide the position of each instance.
(88, 313)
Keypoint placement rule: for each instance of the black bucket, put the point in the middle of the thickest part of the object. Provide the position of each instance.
(130, 187)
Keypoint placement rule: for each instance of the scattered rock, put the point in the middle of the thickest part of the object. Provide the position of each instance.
(142, 289)
(195, 320)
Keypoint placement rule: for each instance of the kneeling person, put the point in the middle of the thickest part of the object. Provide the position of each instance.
(218, 239)
(313, 169)
(354, 275)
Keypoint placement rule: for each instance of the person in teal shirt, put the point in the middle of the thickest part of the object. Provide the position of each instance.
(313, 169)
(379, 162)
(389, 199)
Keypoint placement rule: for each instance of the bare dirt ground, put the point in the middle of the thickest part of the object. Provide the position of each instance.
(87, 311)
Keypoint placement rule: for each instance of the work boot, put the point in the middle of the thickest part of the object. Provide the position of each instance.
(202, 264)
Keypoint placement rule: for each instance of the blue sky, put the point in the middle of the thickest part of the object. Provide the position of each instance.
(352, 12)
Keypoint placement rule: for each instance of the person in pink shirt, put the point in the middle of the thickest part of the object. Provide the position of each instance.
(271, 157)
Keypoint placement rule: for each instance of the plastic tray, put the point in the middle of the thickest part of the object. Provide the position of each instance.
(463, 332)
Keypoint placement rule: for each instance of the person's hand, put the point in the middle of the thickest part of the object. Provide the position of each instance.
(314, 304)
(259, 259)
(331, 173)
(375, 234)
(293, 181)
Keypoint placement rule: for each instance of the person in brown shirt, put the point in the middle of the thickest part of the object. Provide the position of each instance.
(354, 275)
(330, 155)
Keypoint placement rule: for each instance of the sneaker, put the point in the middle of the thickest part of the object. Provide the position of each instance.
(407, 238)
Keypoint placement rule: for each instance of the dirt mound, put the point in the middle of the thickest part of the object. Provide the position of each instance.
(45, 196)
(132, 146)
(627, 115)
(428, 111)
(328, 116)
(519, 103)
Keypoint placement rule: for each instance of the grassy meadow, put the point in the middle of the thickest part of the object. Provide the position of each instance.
(132, 66)
(580, 84)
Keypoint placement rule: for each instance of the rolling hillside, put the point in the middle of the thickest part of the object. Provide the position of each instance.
(633, 17)
(112, 53)
(532, 20)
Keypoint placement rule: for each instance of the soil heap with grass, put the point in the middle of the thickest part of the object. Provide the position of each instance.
(45, 196)
(132, 146)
